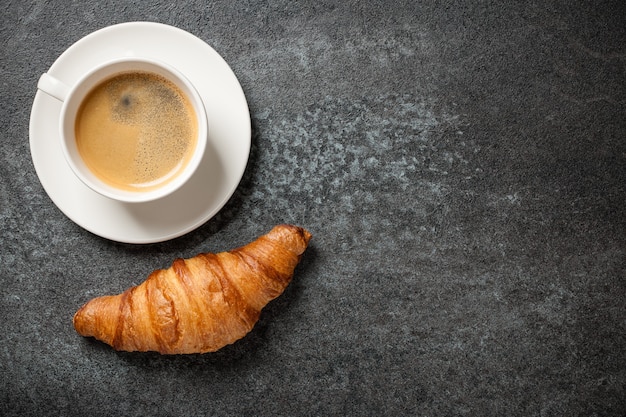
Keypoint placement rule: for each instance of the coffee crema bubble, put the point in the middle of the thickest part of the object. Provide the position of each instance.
(136, 131)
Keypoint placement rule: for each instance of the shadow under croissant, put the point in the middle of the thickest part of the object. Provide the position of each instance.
(245, 349)
(242, 350)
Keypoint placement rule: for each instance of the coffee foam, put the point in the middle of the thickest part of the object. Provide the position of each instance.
(136, 130)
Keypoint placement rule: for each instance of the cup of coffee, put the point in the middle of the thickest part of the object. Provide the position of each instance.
(132, 129)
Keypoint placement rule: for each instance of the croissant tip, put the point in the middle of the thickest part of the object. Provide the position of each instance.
(301, 231)
(78, 320)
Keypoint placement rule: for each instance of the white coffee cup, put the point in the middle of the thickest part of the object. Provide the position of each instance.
(73, 95)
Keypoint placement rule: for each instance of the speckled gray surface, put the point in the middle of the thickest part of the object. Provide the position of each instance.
(461, 165)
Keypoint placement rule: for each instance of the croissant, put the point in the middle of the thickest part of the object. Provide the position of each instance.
(200, 304)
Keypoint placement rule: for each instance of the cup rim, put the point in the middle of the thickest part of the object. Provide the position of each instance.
(79, 90)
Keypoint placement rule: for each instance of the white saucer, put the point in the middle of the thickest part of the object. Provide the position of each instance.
(217, 177)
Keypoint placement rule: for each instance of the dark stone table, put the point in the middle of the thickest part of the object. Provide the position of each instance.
(461, 165)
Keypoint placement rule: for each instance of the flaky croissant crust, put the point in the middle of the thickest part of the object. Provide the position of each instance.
(199, 304)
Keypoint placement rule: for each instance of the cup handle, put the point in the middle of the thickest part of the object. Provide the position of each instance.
(53, 87)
